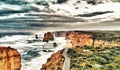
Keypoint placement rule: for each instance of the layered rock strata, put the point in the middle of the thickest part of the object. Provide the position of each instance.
(79, 39)
(10, 59)
(55, 62)
(87, 38)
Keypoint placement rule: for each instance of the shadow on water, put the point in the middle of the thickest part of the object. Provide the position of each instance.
(30, 55)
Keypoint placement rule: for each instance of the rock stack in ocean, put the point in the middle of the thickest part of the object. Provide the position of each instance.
(55, 62)
(48, 36)
(10, 59)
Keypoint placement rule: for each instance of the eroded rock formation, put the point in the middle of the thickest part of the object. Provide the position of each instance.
(48, 36)
(55, 62)
(10, 59)
(79, 39)
(90, 38)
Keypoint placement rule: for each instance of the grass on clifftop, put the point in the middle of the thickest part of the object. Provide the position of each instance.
(94, 58)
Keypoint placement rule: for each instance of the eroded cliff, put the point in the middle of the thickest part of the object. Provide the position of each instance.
(55, 62)
(10, 59)
(90, 38)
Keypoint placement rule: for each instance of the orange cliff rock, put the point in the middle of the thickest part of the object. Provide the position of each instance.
(55, 62)
(82, 38)
(10, 59)
(79, 39)
(85, 38)
(48, 36)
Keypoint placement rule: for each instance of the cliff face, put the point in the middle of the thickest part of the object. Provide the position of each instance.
(93, 38)
(55, 62)
(79, 39)
(10, 59)
(82, 38)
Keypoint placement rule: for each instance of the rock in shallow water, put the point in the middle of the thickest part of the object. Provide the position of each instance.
(48, 36)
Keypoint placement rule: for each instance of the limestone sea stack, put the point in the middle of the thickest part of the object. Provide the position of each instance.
(10, 59)
(48, 36)
(55, 62)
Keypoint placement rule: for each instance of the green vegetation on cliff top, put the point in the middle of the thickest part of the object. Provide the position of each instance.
(94, 58)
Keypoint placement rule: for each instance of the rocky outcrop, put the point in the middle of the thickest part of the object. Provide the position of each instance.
(55, 62)
(91, 38)
(79, 39)
(10, 59)
(48, 36)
